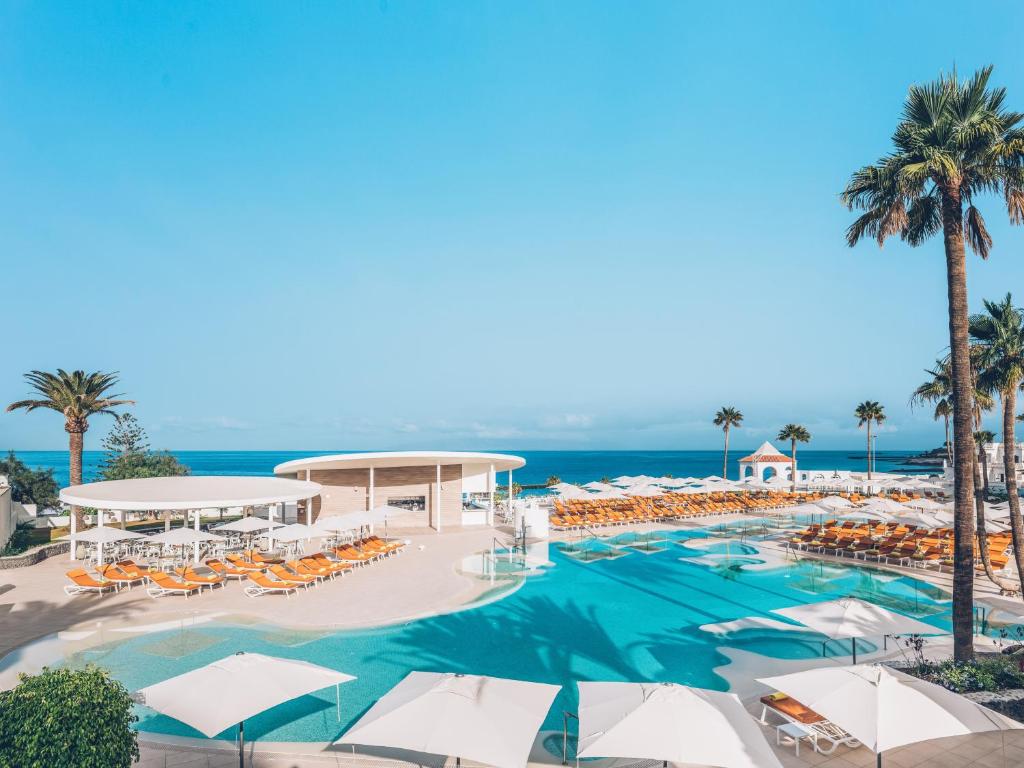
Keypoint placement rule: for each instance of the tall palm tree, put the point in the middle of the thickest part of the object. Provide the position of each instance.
(867, 412)
(795, 434)
(77, 395)
(955, 141)
(938, 390)
(726, 418)
(998, 334)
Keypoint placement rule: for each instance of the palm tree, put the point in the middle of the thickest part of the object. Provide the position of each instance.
(955, 141)
(938, 389)
(999, 336)
(725, 418)
(77, 395)
(795, 434)
(867, 412)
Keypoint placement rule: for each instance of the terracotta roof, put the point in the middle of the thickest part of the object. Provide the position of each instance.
(767, 452)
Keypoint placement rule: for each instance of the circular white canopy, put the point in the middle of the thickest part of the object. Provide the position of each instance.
(501, 461)
(189, 492)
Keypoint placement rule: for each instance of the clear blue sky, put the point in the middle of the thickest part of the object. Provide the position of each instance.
(458, 225)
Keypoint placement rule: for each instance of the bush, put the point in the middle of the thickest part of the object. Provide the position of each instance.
(65, 718)
(984, 674)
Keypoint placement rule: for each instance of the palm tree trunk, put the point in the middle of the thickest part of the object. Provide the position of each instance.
(982, 533)
(725, 455)
(1010, 470)
(75, 442)
(792, 470)
(949, 445)
(869, 449)
(963, 474)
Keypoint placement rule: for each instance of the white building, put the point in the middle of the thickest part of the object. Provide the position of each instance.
(994, 463)
(765, 463)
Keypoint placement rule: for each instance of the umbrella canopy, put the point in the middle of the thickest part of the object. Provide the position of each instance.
(885, 505)
(872, 515)
(884, 708)
(665, 721)
(849, 618)
(104, 535)
(833, 503)
(247, 525)
(598, 486)
(229, 691)
(928, 504)
(644, 490)
(181, 536)
(921, 519)
(295, 532)
(339, 523)
(486, 719)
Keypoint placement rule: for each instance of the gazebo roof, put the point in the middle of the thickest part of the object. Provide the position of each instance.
(767, 452)
(188, 492)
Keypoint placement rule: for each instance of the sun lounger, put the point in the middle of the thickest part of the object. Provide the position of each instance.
(112, 573)
(165, 584)
(793, 711)
(210, 580)
(306, 580)
(82, 582)
(133, 569)
(260, 584)
(246, 565)
(225, 570)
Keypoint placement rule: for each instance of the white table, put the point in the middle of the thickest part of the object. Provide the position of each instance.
(796, 731)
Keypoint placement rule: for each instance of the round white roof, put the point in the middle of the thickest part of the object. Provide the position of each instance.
(501, 461)
(189, 492)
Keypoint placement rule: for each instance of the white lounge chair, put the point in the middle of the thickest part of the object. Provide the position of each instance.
(793, 711)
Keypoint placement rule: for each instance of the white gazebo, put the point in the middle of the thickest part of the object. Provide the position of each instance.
(765, 458)
(187, 494)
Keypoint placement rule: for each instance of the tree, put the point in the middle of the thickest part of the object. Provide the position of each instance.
(553, 480)
(867, 412)
(67, 718)
(955, 141)
(999, 338)
(77, 395)
(795, 433)
(938, 390)
(726, 418)
(128, 455)
(29, 486)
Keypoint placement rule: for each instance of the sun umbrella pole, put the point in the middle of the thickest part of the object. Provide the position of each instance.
(855, 650)
(337, 700)
(241, 744)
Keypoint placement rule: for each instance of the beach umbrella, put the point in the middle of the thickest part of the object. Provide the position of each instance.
(927, 504)
(230, 691)
(349, 521)
(884, 708)
(884, 505)
(850, 618)
(669, 722)
(246, 525)
(867, 515)
(382, 512)
(598, 486)
(486, 719)
(644, 490)
(101, 534)
(295, 532)
(834, 503)
(182, 537)
(919, 518)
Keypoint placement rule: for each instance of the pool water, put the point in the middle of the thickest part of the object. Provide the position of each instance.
(635, 616)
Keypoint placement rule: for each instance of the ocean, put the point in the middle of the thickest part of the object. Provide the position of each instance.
(570, 466)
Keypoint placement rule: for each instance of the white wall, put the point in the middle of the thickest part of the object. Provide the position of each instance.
(8, 521)
(474, 478)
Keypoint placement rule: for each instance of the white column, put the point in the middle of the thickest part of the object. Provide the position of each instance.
(437, 497)
(490, 501)
(122, 514)
(373, 499)
(99, 546)
(270, 531)
(309, 514)
(511, 511)
(72, 532)
(195, 547)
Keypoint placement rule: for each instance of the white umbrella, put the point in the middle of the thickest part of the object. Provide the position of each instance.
(669, 722)
(100, 535)
(176, 537)
(849, 618)
(247, 525)
(833, 503)
(486, 719)
(644, 490)
(921, 519)
(598, 486)
(868, 515)
(926, 504)
(230, 691)
(885, 505)
(295, 532)
(884, 708)
(338, 523)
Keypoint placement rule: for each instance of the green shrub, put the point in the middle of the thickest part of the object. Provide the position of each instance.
(984, 674)
(65, 718)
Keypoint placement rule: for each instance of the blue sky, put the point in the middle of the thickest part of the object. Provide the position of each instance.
(462, 225)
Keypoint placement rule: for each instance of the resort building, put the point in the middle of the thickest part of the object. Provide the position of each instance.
(765, 463)
(994, 461)
(437, 489)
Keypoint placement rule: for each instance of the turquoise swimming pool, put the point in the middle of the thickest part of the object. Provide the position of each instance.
(635, 616)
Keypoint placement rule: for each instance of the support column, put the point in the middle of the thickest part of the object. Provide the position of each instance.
(309, 516)
(270, 530)
(195, 547)
(122, 515)
(511, 509)
(72, 532)
(490, 500)
(373, 497)
(99, 545)
(437, 497)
